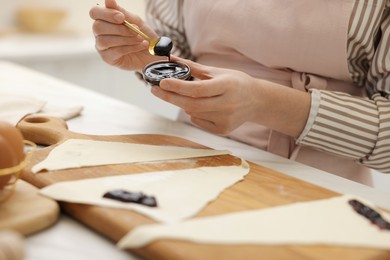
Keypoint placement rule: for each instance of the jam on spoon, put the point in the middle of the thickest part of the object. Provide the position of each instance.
(160, 46)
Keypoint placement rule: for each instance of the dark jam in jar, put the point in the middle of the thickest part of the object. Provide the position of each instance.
(154, 72)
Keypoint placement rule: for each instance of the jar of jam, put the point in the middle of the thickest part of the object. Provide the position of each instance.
(154, 72)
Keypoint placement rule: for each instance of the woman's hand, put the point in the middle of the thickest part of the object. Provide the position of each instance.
(221, 100)
(116, 44)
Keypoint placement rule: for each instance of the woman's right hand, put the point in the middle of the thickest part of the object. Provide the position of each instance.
(115, 43)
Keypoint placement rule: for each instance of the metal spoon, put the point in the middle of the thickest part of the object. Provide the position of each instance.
(160, 46)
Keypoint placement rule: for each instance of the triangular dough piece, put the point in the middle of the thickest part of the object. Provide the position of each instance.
(180, 194)
(76, 153)
(327, 222)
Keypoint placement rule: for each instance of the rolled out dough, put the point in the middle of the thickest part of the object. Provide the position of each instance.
(328, 222)
(180, 194)
(76, 153)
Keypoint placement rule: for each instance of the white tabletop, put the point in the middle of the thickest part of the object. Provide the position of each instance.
(106, 116)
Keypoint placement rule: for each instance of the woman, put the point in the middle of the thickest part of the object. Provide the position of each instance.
(308, 80)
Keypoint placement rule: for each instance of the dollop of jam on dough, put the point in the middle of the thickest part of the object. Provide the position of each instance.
(131, 197)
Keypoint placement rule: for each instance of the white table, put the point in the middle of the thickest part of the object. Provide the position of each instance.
(106, 116)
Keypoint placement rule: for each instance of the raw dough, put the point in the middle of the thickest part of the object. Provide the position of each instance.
(180, 194)
(76, 153)
(14, 107)
(328, 222)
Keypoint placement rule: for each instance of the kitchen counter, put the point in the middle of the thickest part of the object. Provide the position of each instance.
(103, 115)
(73, 58)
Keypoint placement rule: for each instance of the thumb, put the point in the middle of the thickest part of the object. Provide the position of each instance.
(198, 70)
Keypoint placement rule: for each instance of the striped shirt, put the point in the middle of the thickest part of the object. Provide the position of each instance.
(348, 126)
(355, 127)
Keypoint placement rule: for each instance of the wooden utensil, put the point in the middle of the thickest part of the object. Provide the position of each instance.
(261, 188)
(11, 245)
(26, 211)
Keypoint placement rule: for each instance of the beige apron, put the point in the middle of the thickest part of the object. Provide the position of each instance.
(299, 44)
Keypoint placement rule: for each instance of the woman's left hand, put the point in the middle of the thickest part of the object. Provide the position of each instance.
(219, 102)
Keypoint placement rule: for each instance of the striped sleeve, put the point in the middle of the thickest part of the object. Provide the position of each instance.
(166, 18)
(353, 127)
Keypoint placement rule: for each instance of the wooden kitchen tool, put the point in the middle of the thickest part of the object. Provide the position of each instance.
(11, 245)
(26, 211)
(261, 188)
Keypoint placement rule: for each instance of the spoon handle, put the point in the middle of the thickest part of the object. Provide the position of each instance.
(135, 29)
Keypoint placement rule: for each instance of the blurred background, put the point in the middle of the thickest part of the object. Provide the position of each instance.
(55, 37)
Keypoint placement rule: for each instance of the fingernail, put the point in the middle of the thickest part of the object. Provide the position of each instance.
(118, 17)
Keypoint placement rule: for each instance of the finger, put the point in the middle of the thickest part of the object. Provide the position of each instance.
(105, 14)
(211, 126)
(207, 125)
(111, 4)
(111, 41)
(101, 27)
(113, 54)
(198, 70)
(188, 104)
(130, 17)
(202, 88)
(113, 13)
(195, 89)
(170, 97)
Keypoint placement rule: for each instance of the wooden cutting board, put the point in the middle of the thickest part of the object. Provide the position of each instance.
(26, 211)
(261, 188)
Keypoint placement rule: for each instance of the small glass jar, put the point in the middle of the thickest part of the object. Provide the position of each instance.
(154, 72)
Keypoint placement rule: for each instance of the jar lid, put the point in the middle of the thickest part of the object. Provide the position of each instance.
(154, 72)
